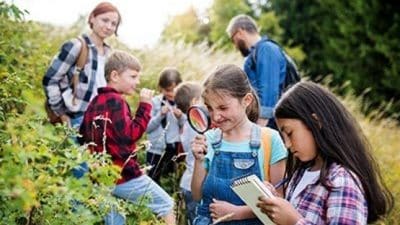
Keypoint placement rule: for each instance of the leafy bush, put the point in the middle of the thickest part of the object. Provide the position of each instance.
(36, 185)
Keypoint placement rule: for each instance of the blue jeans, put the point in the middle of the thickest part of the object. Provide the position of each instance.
(83, 167)
(80, 170)
(202, 220)
(191, 205)
(76, 122)
(160, 202)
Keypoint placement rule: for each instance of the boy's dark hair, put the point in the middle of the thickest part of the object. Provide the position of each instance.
(339, 139)
(168, 77)
(120, 61)
(232, 80)
(185, 93)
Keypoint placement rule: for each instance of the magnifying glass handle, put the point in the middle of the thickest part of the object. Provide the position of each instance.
(199, 146)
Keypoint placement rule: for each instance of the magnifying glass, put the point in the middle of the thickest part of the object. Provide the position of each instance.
(199, 119)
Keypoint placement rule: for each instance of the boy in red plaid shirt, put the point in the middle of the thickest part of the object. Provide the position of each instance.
(109, 114)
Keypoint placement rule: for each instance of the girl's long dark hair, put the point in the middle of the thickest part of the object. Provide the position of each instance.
(339, 139)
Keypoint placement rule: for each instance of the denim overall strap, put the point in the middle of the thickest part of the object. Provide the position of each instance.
(217, 141)
(255, 139)
(225, 166)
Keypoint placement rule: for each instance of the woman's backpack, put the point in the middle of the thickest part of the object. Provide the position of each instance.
(53, 118)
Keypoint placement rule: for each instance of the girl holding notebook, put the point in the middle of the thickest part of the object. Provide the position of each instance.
(232, 149)
(333, 176)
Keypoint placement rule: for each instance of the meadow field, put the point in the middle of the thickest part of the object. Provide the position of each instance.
(36, 186)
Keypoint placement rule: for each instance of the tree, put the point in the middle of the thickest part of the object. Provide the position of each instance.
(187, 27)
(221, 13)
(355, 41)
(190, 28)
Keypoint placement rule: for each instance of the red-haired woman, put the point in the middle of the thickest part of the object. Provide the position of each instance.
(69, 99)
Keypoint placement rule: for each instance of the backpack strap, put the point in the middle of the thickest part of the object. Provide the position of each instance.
(292, 74)
(253, 58)
(266, 39)
(79, 66)
(253, 54)
(261, 137)
(266, 146)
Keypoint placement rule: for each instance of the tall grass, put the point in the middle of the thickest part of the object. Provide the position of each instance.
(194, 62)
(383, 135)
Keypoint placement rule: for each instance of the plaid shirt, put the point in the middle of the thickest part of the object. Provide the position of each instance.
(108, 109)
(343, 204)
(57, 80)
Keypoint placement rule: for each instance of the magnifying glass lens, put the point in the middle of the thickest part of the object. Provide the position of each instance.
(199, 119)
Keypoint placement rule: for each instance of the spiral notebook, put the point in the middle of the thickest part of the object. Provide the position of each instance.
(249, 188)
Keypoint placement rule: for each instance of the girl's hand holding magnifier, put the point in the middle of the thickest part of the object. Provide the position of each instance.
(199, 147)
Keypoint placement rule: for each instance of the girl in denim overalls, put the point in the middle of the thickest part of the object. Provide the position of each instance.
(231, 150)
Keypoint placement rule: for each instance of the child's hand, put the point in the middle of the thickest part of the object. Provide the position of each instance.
(279, 210)
(271, 188)
(177, 112)
(146, 95)
(146, 169)
(219, 209)
(199, 147)
(164, 110)
(66, 120)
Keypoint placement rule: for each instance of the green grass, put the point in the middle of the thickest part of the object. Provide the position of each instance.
(194, 62)
(383, 135)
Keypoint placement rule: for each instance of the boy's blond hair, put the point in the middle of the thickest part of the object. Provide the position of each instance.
(121, 61)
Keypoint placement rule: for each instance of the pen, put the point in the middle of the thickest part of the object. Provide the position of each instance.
(280, 183)
(227, 216)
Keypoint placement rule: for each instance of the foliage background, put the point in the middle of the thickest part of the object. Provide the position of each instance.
(346, 50)
(352, 41)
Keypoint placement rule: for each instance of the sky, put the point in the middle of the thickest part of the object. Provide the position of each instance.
(142, 20)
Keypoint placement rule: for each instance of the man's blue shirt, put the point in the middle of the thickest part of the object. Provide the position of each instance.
(267, 75)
